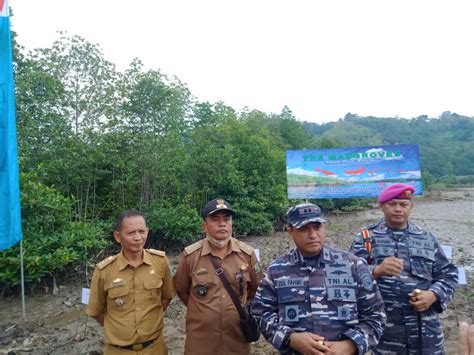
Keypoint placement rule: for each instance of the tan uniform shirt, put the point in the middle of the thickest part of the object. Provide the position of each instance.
(130, 298)
(212, 321)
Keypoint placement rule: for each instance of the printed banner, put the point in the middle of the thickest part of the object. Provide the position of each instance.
(351, 172)
(10, 217)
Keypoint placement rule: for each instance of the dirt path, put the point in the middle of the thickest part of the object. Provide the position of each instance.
(56, 323)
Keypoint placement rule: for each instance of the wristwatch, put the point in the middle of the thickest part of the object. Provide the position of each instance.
(286, 340)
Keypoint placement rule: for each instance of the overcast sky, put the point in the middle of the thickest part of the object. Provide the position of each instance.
(323, 59)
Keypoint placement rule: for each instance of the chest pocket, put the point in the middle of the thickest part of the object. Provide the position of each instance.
(118, 297)
(203, 285)
(382, 248)
(421, 261)
(290, 289)
(153, 288)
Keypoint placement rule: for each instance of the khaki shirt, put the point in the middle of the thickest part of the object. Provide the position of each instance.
(212, 321)
(130, 298)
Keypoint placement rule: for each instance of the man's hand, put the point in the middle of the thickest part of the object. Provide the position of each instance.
(308, 343)
(343, 347)
(390, 266)
(422, 300)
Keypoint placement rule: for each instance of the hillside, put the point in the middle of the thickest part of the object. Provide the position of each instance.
(446, 143)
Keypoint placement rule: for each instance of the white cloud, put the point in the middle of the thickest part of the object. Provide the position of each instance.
(301, 171)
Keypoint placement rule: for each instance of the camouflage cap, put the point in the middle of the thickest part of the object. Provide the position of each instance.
(214, 206)
(300, 215)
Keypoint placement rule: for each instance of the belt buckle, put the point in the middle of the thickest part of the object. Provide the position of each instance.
(137, 347)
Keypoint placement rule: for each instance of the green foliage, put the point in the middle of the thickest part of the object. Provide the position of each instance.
(173, 224)
(239, 161)
(51, 240)
(343, 204)
(465, 180)
(427, 179)
(252, 217)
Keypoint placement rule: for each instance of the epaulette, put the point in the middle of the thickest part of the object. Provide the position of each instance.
(156, 252)
(106, 261)
(372, 226)
(247, 249)
(193, 247)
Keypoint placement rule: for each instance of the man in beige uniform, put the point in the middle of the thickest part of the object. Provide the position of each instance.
(130, 291)
(212, 321)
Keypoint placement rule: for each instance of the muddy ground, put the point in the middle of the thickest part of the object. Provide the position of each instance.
(56, 322)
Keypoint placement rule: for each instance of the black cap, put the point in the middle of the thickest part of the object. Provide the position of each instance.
(301, 215)
(216, 205)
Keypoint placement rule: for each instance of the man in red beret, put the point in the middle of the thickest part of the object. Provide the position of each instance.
(416, 279)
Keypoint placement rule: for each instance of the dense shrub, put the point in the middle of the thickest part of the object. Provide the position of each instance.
(52, 240)
(172, 225)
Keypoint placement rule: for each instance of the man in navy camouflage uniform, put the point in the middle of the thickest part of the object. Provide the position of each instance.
(315, 299)
(416, 279)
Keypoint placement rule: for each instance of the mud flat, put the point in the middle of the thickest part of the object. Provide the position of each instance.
(56, 323)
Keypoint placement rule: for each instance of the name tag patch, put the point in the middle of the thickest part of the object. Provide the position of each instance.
(424, 244)
(339, 281)
(290, 282)
(383, 240)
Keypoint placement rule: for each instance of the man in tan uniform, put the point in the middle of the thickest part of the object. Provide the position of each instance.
(212, 321)
(130, 291)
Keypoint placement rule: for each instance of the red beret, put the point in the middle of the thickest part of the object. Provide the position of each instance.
(401, 191)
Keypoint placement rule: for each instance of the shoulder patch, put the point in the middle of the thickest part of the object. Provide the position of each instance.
(156, 252)
(247, 249)
(106, 261)
(193, 247)
(367, 281)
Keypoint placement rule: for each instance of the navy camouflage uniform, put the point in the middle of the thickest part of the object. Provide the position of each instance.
(334, 296)
(425, 267)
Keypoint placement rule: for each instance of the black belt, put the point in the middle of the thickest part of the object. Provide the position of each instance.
(136, 347)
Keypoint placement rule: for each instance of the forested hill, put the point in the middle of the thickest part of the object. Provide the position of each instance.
(446, 143)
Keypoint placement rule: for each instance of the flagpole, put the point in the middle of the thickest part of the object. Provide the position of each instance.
(10, 209)
(22, 281)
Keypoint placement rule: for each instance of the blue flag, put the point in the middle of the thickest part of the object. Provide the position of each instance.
(10, 216)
